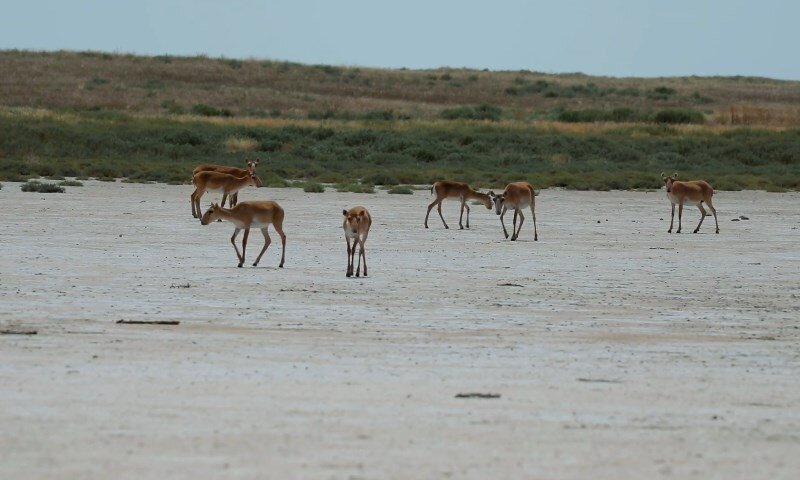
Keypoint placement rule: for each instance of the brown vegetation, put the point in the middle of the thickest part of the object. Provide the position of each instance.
(254, 88)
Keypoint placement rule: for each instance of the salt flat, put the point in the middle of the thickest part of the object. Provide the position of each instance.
(619, 351)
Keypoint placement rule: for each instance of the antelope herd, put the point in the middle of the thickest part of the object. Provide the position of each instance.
(357, 220)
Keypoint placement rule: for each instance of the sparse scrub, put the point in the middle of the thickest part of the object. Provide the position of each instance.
(70, 183)
(39, 187)
(209, 111)
(481, 112)
(679, 116)
(382, 179)
(172, 107)
(313, 187)
(401, 190)
(355, 187)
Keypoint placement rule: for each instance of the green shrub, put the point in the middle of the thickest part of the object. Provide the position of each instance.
(401, 190)
(70, 183)
(355, 187)
(382, 179)
(481, 112)
(209, 111)
(661, 93)
(380, 115)
(37, 186)
(593, 115)
(313, 187)
(172, 107)
(676, 115)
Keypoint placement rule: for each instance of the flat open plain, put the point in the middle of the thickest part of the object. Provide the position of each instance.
(619, 351)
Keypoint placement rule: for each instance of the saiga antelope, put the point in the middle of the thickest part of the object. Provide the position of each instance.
(445, 189)
(356, 225)
(210, 181)
(235, 171)
(695, 192)
(245, 216)
(517, 195)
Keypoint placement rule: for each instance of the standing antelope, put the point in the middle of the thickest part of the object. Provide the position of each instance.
(210, 180)
(356, 225)
(695, 192)
(517, 195)
(245, 216)
(235, 171)
(445, 189)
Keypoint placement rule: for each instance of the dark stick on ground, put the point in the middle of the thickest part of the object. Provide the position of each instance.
(154, 322)
(18, 332)
(477, 395)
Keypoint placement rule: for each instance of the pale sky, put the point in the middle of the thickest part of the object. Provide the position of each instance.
(603, 37)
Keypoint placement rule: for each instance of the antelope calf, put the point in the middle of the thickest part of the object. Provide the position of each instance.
(517, 195)
(235, 171)
(210, 180)
(245, 216)
(695, 192)
(461, 191)
(356, 225)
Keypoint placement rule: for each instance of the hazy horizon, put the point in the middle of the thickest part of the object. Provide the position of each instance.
(649, 39)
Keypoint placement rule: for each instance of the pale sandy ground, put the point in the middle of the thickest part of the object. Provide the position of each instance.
(625, 353)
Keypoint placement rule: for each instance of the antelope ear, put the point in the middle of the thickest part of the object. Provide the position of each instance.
(491, 194)
(675, 175)
(663, 176)
(344, 212)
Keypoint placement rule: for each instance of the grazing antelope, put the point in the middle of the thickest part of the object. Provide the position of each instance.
(517, 195)
(235, 171)
(215, 181)
(356, 225)
(694, 192)
(445, 189)
(245, 216)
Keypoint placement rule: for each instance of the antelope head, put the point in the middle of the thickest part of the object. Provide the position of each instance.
(211, 214)
(251, 167)
(498, 202)
(669, 180)
(353, 220)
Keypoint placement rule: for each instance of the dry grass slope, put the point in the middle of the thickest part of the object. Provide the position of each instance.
(257, 88)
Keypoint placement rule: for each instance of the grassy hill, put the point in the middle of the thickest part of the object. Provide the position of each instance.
(153, 118)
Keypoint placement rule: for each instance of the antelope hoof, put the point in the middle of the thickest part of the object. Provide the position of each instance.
(446, 227)
(695, 231)
(461, 227)
(357, 275)
(535, 239)
(280, 266)
(678, 231)
(349, 274)
(255, 264)
(240, 265)
(426, 226)
(717, 231)
(506, 235)
(513, 239)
